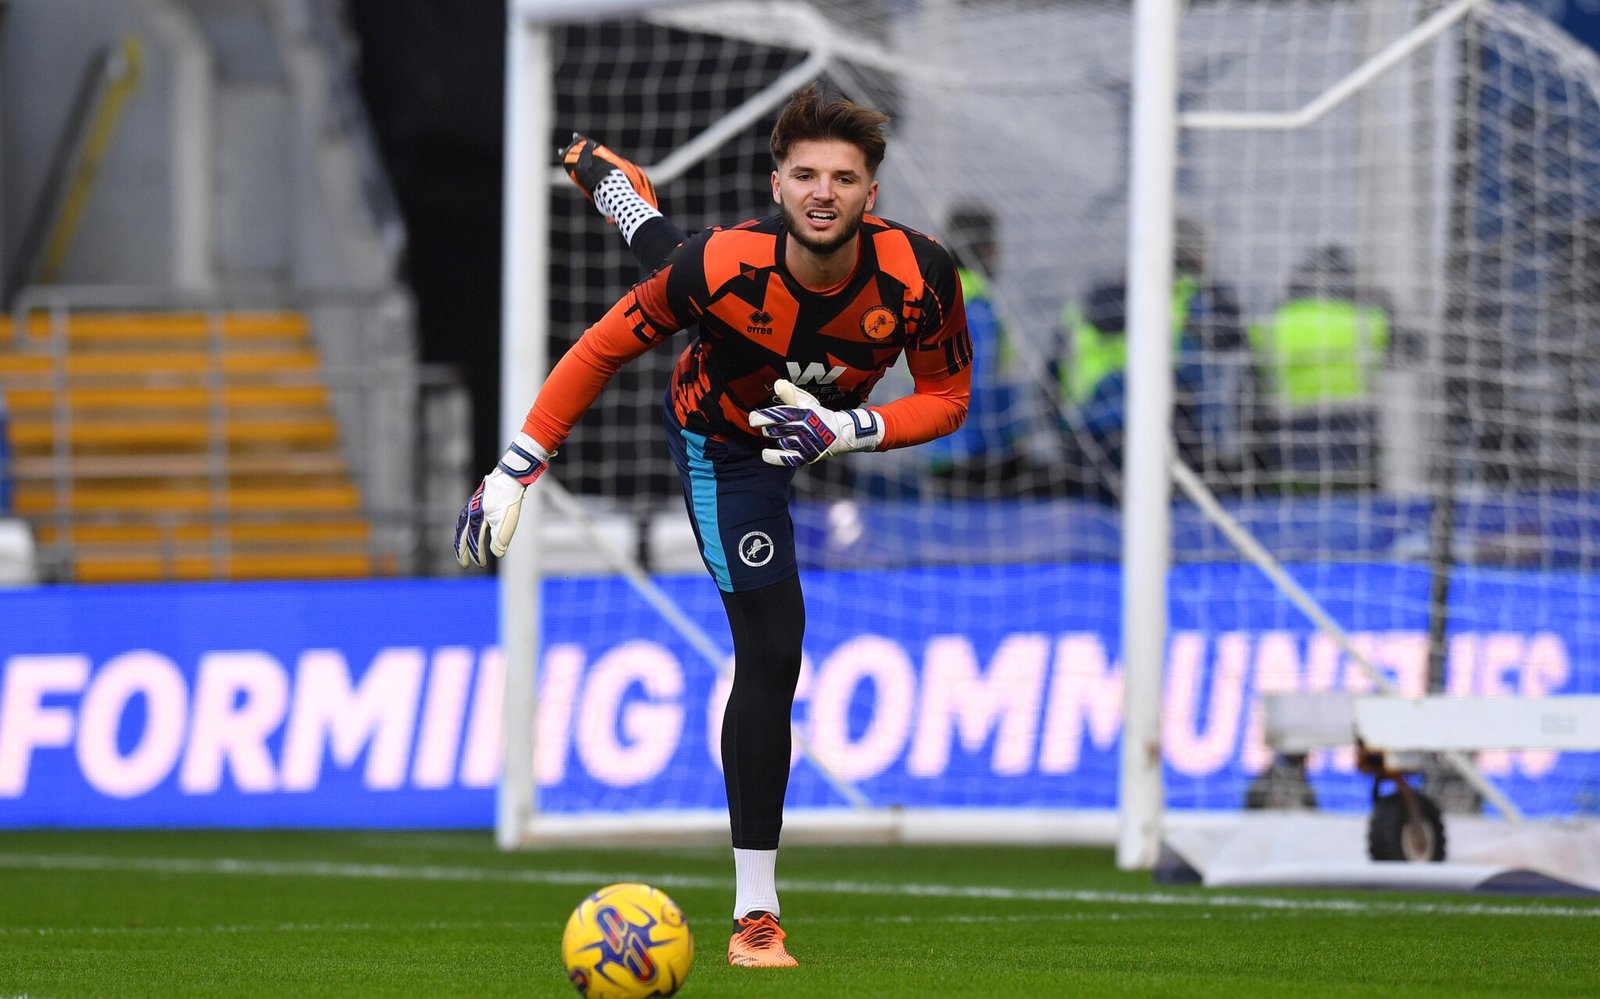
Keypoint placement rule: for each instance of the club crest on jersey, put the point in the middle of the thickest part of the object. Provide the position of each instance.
(760, 323)
(878, 323)
(755, 549)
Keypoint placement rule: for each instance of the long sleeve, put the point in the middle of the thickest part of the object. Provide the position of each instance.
(621, 335)
(937, 407)
(940, 361)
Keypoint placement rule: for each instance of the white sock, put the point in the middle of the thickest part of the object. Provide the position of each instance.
(616, 199)
(755, 873)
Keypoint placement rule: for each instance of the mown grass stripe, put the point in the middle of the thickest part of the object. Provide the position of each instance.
(440, 925)
(394, 872)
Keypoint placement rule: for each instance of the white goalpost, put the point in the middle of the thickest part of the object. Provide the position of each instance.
(1035, 631)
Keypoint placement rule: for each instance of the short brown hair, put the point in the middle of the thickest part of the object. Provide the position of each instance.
(811, 116)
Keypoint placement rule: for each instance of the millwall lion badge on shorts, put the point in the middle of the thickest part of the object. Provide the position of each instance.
(755, 549)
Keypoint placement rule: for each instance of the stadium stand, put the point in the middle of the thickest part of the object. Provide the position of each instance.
(176, 445)
(208, 355)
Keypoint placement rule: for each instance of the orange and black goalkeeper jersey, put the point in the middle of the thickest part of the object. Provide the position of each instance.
(755, 324)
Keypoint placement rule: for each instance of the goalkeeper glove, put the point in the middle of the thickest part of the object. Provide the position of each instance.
(490, 516)
(806, 431)
(591, 165)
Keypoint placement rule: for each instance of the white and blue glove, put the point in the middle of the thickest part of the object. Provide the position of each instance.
(806, 431)
(490, 517)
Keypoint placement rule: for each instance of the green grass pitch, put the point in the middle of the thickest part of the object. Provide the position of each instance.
(174, 914)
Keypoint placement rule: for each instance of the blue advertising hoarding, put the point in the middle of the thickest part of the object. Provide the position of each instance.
(378, 703)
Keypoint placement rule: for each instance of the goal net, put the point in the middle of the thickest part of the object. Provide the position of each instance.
(1427, 472)
(1419, 177)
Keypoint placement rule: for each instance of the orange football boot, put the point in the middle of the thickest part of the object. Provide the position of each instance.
(588, 163)
(757, 942)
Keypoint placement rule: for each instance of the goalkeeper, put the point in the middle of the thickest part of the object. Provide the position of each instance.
(796, 316)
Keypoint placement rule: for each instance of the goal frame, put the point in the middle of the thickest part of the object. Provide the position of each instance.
(1152, 468)
(529, 180)
(1136, 827)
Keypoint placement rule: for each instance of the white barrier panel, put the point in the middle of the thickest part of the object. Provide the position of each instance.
(1436, 724)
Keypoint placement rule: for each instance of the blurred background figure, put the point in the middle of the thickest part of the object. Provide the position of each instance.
(1318, 356)
(982, 458)
(1211, 374)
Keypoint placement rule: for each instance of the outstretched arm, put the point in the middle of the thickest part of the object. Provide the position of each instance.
(622, 192)
(490, 517)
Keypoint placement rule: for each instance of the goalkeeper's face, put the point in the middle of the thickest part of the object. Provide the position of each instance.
(824, 188)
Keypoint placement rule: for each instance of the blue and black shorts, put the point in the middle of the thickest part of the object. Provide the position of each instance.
(739, 506)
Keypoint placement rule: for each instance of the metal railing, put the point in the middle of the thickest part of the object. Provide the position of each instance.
(111, 76)
(402, 427)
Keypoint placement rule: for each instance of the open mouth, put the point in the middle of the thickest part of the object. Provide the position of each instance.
(821, 217)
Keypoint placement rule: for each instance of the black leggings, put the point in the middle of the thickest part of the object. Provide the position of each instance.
(768, 624)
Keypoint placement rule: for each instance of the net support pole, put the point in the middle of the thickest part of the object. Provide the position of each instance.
(1147, 485)
(524, 327)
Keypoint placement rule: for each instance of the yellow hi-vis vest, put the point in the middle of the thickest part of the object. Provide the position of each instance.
(1097, 353)
(972, 284)
(975, 286)
(1316, 351)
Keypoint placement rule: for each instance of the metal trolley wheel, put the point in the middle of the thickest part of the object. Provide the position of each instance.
(1405, 825)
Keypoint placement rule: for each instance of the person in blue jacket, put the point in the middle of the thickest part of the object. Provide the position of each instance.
(982, 457)
(1211, 375)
